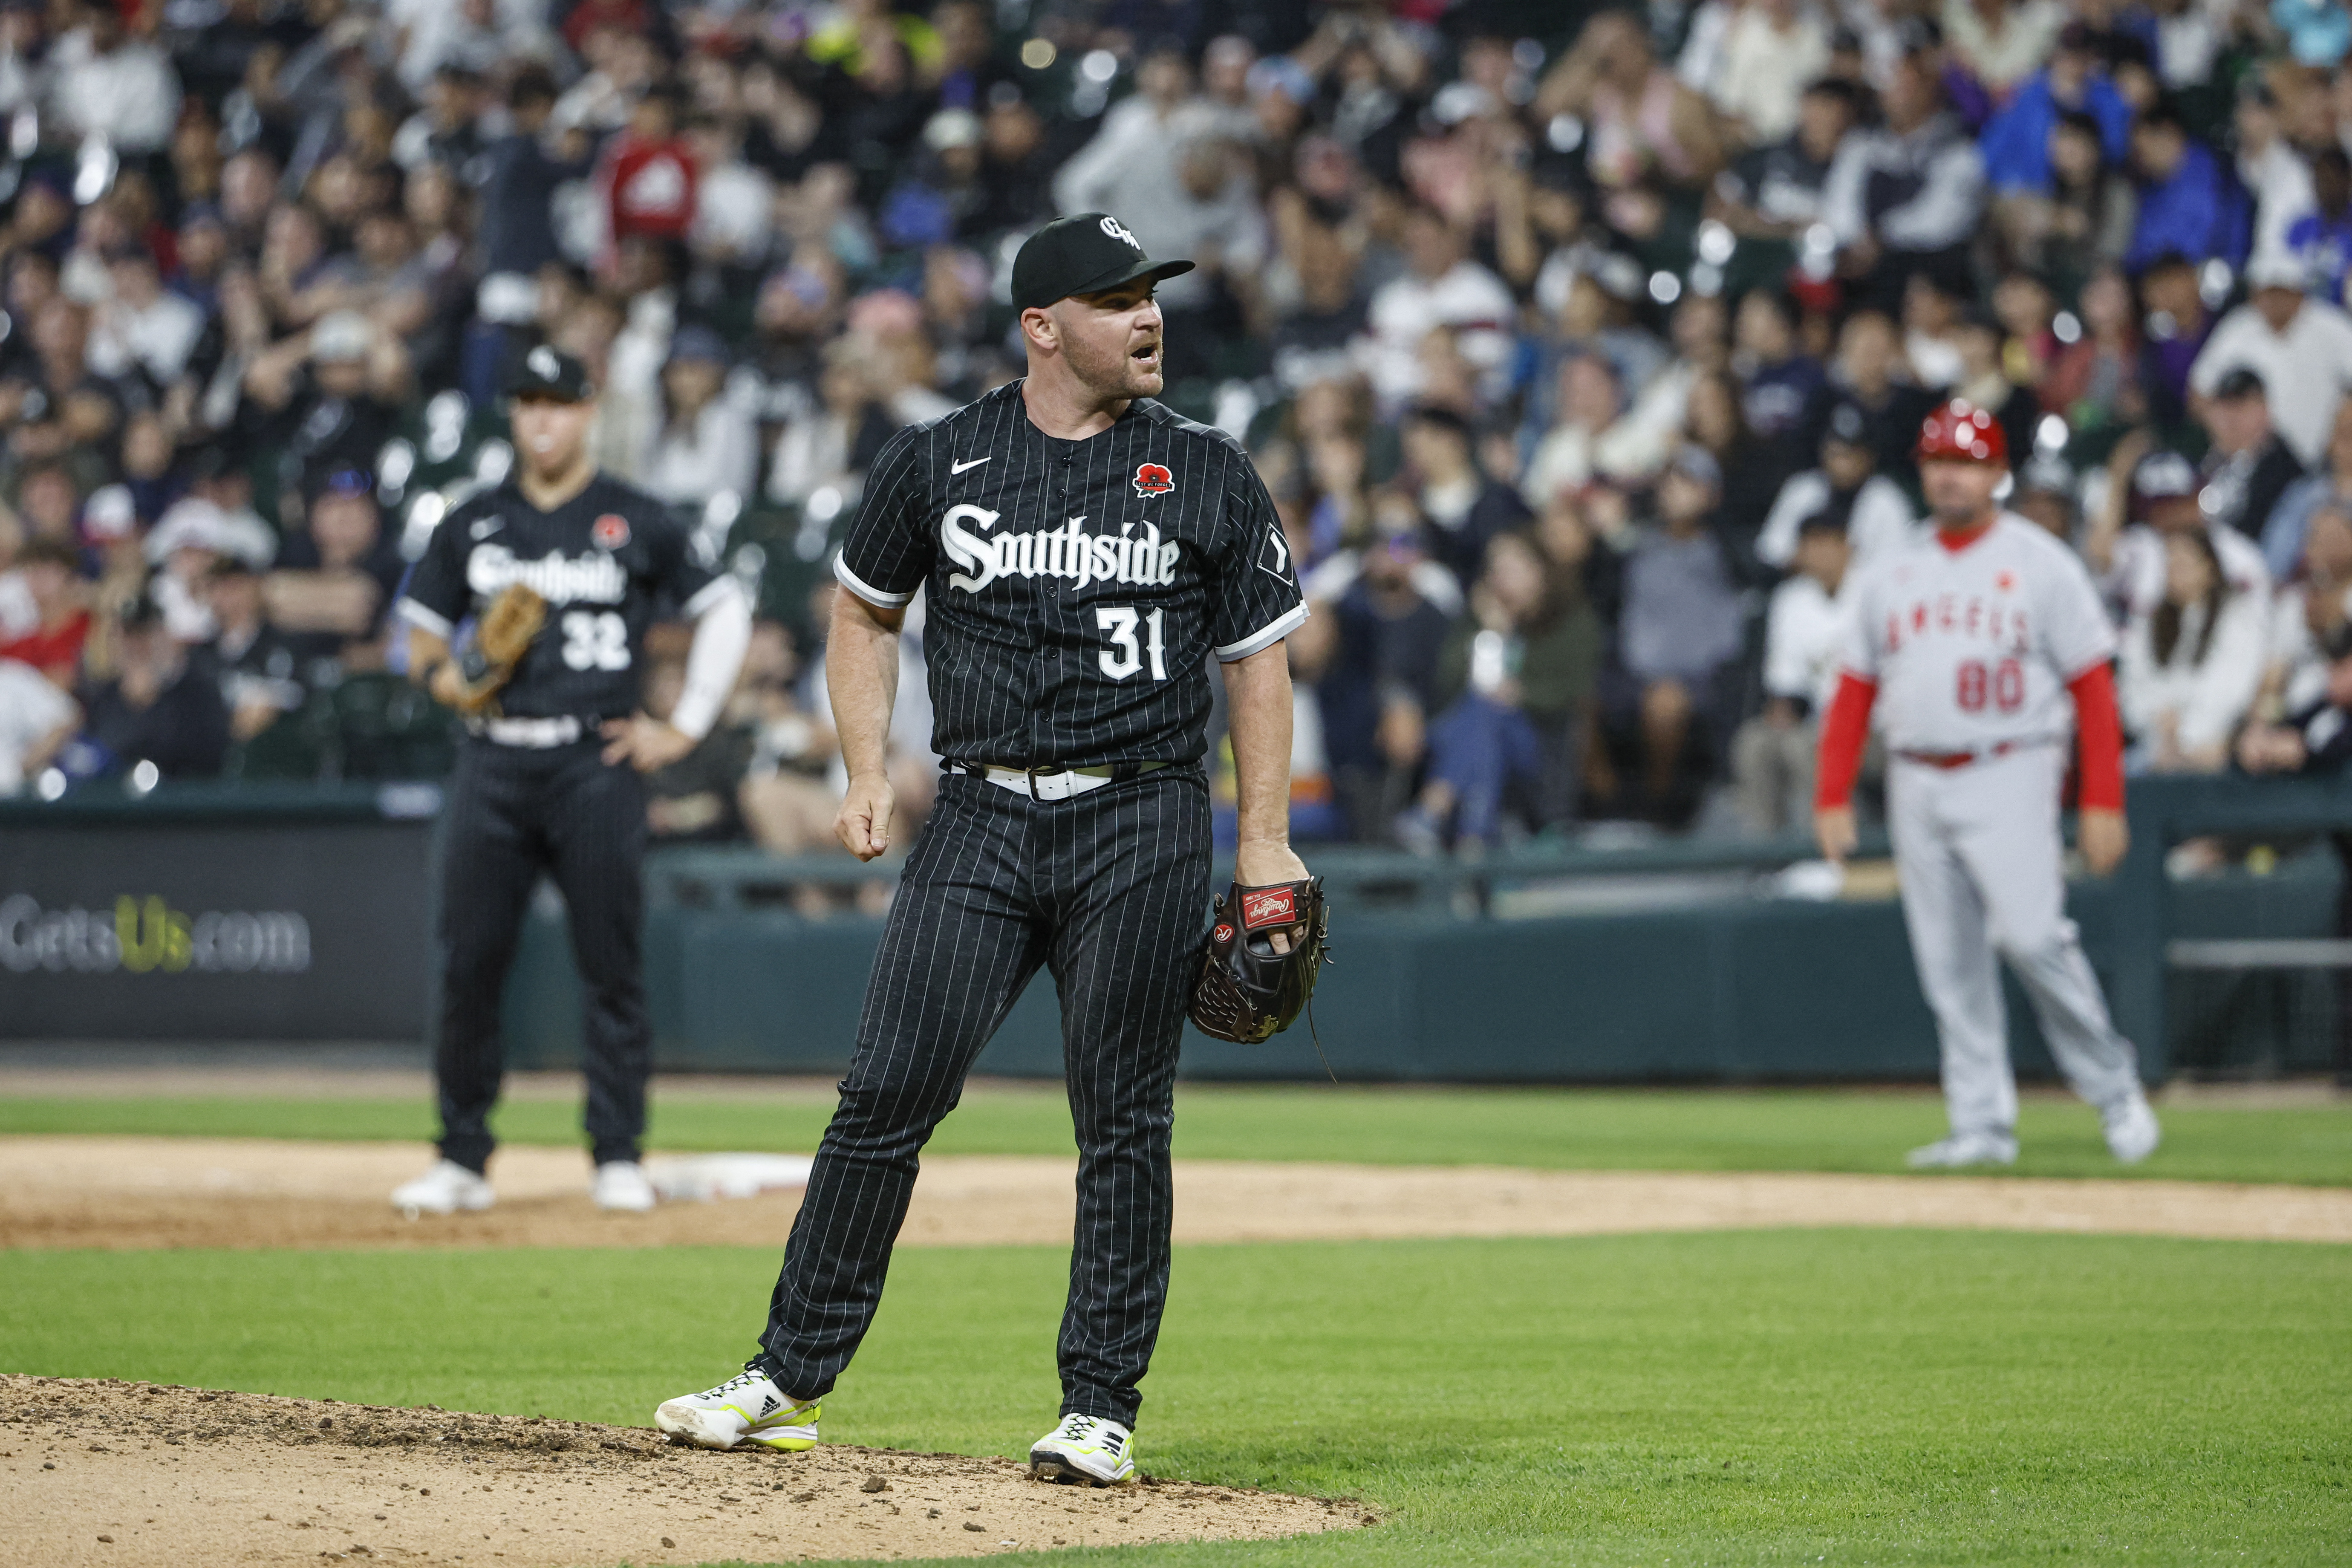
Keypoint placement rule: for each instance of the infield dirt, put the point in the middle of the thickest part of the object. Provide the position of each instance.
(133, 1475)
(124, 1192)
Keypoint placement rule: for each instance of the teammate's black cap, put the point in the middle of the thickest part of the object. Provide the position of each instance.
(1082, 255)
(547, 372)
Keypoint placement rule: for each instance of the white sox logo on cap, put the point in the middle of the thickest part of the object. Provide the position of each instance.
(1118, 231)
(542, 362)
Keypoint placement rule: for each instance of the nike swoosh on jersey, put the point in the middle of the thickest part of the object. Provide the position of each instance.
(959, 468)
(486, 527)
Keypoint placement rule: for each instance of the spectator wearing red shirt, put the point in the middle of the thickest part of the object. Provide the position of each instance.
(647, 174)
(52, 574)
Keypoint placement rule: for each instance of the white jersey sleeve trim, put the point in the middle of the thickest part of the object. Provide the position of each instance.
(1266, 636)
(416, 615)
(866, 591)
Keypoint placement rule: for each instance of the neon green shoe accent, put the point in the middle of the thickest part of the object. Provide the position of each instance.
(789, 1431)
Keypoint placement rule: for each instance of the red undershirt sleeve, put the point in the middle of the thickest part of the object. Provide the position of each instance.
(2099, 733)
(1846, 729)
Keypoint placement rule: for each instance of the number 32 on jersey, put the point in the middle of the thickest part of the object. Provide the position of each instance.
(596, 639)
(1124, 656)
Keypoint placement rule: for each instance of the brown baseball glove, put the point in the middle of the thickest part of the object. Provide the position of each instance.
(501, 638)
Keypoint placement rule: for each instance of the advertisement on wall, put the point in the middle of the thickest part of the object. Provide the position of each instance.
(228, 934)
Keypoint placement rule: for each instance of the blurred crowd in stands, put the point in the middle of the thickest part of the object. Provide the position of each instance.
(1582, 351)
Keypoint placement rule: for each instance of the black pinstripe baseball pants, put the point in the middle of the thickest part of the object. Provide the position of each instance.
(514, 813)
(1108, 890)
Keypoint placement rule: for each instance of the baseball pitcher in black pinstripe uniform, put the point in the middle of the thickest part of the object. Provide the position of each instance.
(1085, 552)
(548, 781)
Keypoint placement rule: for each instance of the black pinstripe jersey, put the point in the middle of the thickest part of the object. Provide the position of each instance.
(1076, 588)
(603, 560)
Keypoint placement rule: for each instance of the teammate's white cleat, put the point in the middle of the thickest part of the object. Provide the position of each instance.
(621, 1186)
(446, 1188)
(1963, 1149)
(1086, 1448)
(2131, 1129)
(747, 1408)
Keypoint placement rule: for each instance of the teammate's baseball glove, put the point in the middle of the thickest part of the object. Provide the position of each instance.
(501, 638)
(1248, 992)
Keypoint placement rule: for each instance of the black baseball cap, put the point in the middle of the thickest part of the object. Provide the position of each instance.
(2164, 476)
(547, 372)
(1084, 254)
(2243, 381)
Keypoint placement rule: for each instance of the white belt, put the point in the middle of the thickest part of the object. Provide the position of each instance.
(1059, 785)
(533, 734)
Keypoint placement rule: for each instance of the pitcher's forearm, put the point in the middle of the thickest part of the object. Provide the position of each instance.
(1257, 693)
(861, 678)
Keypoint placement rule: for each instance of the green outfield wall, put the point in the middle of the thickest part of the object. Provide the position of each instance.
(240, 915)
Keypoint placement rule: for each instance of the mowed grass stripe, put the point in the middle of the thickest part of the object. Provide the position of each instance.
(1899, 1397)
(1697, 1129)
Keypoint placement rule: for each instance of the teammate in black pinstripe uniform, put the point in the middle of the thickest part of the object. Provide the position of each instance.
(552, 784)
(1085, 552)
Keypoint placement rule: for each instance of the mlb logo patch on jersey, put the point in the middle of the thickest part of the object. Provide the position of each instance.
(1152, 480)
(611, 532)
(1268, 907)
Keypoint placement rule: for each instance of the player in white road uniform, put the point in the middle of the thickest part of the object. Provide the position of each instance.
(1976, 641)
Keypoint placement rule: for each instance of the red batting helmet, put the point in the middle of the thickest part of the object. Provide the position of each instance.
(1960, 432)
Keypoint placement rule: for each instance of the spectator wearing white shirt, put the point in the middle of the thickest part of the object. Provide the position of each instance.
(1440, 289)
(2274, 172)
(707, 441)
(2002, 42)
(36, 719)
(1846, 492)
(2130, 563)
(2191, 665)
(2302, 346)
(1772, 754)
(103, 83)
(142, 326)
(1771, 51)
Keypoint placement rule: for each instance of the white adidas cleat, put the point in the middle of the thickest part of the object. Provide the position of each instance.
(2131, 1129)
(446, 1188)
(1964, 1149)
(747, 1408)
(621, 1187)
(1089, 1449)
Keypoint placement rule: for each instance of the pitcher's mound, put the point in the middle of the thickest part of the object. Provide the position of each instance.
(131, 1473)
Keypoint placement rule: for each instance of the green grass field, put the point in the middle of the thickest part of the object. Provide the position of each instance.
(1795, 1129)
(1913, 1397)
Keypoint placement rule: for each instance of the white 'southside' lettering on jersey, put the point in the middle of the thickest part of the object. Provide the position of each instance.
(559, 579)
(1140, 559)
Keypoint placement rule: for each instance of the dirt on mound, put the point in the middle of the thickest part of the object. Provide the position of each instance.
(100, 1473)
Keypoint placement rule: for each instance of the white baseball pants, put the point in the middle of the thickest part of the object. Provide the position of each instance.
(1978, 852)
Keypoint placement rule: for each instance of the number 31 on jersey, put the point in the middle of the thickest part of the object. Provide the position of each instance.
(1124, 657)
